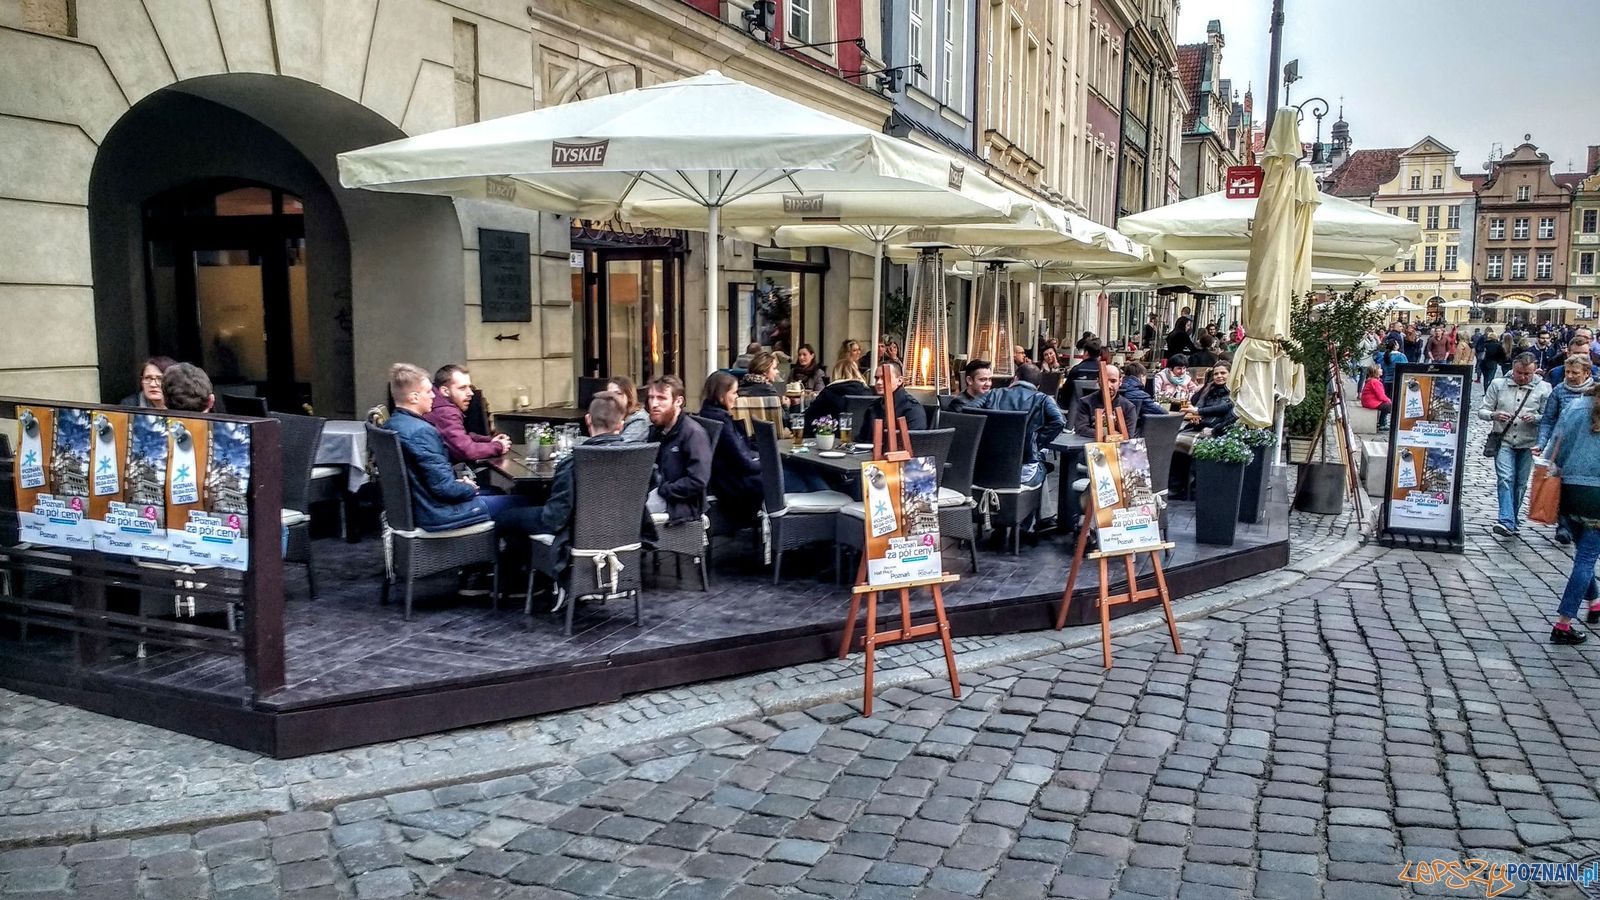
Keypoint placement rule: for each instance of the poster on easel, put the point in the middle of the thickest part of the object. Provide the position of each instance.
(208, 484)
(1126, 517)
(901, 499)
(1427, 445)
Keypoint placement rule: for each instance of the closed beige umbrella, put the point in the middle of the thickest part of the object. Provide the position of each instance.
(1280, 240)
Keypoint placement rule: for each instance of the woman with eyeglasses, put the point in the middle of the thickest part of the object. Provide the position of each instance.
(149, 395)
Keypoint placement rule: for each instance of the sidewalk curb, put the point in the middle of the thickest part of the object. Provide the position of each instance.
(502, 761)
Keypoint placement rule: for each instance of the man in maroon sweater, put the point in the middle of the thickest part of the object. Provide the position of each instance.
(452, 389)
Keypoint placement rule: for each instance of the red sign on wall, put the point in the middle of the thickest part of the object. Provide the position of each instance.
(1243, 182)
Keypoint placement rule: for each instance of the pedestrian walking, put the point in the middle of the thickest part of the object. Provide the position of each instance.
(1494, 355)
(1574, 381)
(1512, 404)
(1577, 461)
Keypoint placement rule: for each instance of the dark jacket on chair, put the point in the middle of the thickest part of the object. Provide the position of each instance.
(683, 468)
(905, 407)
(735, 468)
(1045, 422)
(439, 501)
(830, 402)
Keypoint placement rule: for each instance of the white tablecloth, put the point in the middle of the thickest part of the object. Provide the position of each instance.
(345, 444)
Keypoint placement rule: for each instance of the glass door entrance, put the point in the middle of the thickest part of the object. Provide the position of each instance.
(631, 319)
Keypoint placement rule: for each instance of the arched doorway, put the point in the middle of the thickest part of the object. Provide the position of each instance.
(216, 201)
(226, 286)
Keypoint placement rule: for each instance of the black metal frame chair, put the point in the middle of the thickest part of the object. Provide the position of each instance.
(409, 551)
(997, 475)
(300, 437)
(790, 520)
(956, 505)
(609, 487)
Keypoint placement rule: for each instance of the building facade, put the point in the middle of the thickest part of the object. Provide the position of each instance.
(1148, 108)
(1427, 188)
(235, 246)
(1217, 128)
(1583, 279)
(1523, 231)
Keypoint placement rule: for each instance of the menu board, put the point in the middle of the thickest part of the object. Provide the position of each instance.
(1427, 440)
(901, 498)
(1126, 517)
(134, 484)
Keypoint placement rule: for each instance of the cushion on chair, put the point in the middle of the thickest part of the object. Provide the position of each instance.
(660, 518)
(1079, 485)
(326, 472)
(855, 510)
(467, 531)
(815, 501)
(548, 540)
(950, 497)
(293, 517)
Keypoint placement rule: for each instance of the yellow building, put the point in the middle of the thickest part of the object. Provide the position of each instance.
(1427, 188)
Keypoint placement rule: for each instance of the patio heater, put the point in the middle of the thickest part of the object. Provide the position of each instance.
(990, 333)
(927, 353)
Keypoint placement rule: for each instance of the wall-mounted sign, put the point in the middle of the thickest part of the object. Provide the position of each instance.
(505, 276)
(1244, 182)
(575, 259)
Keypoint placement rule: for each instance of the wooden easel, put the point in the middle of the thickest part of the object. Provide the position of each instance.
(891, 442)
(1345, 437)
(1109, 425)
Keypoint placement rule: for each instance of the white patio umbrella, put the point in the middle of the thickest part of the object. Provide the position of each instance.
(703, 152)
(1555, 303)
(1346, 236)
(1456, 304)
(1035, 232)
(1509, 303)
(1395, 304)
(1227, 282)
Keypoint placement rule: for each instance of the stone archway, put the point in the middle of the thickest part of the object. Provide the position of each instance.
(374, 260)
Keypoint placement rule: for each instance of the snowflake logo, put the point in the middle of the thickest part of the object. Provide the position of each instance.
(183, 473)
(31, 458)
(105, 464)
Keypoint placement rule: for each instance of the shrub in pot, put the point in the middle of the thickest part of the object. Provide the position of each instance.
(1320, 335)
(1218, 483)
(1253, 500)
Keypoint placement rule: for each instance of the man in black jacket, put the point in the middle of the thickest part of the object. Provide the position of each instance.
(604, 421)
(905, 407)
(1083, 414)
(683, 461)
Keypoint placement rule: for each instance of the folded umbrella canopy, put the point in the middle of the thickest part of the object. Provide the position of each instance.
(701, 153)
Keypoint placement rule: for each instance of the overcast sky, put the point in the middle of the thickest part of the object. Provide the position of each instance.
(1471, 73)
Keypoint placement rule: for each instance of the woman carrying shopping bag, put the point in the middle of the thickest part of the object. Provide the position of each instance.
(1576, 461)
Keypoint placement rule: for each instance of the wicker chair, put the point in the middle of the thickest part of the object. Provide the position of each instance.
(300, 437)
(240, 404)
(790, 520)
(850, 531)
(609, 485)
(692, 538)
(956, 505)
(997, 476)
(410, 552)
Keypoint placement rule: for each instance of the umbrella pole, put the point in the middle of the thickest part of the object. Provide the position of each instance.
(713, 242)
(1035, 309)
(877, 301)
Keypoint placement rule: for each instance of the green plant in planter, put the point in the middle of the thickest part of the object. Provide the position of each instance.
(1225, 449)
(1319, 334)
(1253, 437)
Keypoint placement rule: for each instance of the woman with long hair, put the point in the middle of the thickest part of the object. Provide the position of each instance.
(846, 382)
(635, 421)
(735, 466)
(1576, 458)
(807, 369)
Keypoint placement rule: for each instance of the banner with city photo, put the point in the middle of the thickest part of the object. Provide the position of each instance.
(1126, 515)
(1425, 455)
(208, 487)
(52, 477)
(901, 498)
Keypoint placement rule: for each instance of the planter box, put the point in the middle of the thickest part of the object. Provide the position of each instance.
(1217, 489)
(1320, 488)
(1297, 450)
(1253, 500)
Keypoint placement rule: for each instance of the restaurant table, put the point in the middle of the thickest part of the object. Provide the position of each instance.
(513, 422)
(517, 474)
(849, 464)
(344, 444)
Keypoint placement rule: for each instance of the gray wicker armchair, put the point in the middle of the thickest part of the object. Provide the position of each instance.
(609, 485)
(790, 520)
(692, 538)
(410, 552)
(300, 437)
(956, 506)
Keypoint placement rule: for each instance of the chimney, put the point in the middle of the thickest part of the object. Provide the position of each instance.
(1594, 159)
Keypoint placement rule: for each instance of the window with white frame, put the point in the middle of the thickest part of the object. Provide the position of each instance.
(1585, 263)
(952, 34)
(1591, 221)
(1433, 217)
(1519, 265)
(1452, 257)
(1524, 193)
(1497, 229)
(1453, 218)
(1394, 210)
(1412, 212)
(1430, 259)
(1544, 265)
(798, 29)
(1438, 182)
(1410, 263)
(1497, 265)
(1416, 182)
(914, 43)
(1547, 227)
(1519, 229)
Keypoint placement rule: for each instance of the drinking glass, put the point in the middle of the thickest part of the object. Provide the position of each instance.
(844, 427)
(797, 425)
(530, 438)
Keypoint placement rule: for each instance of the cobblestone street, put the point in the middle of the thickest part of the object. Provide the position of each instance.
(1389, 707)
